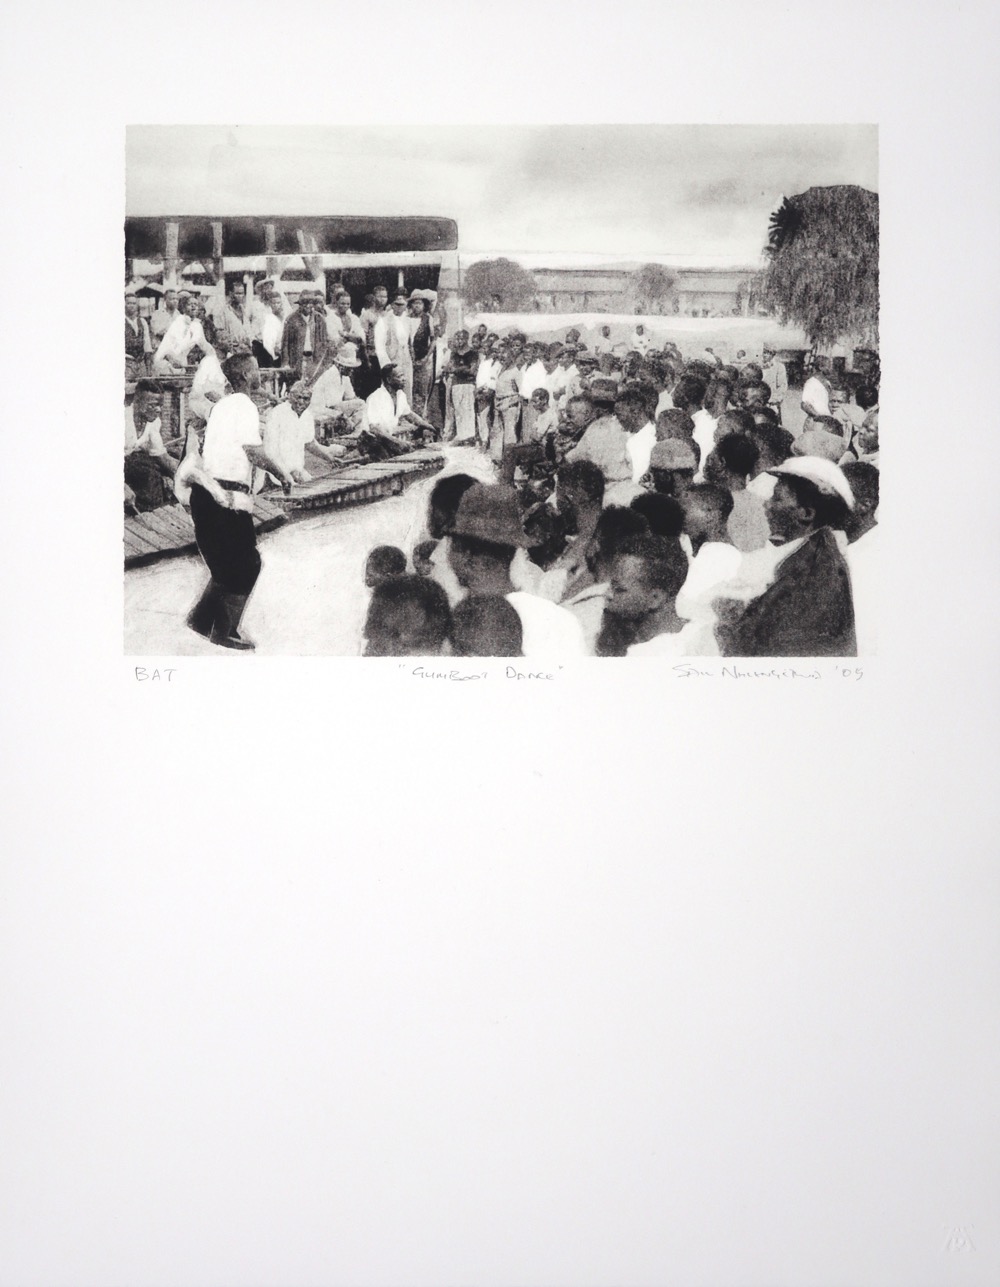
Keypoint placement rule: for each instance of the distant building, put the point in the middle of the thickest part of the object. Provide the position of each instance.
(698, 292)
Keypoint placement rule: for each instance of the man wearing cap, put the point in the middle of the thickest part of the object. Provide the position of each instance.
(604, 440)
(394, 343)
(304, 341)
(672, 467)
(807, 609)
(486, 535)
(333, 394)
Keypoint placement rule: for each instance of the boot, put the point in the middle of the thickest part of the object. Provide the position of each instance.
(202, 617)
(227, 629)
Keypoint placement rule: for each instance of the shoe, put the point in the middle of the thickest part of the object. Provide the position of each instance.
(227, 625)
(203, 616)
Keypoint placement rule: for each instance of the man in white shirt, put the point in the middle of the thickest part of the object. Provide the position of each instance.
(715, 560)
(388, 410)
(689, 395)
(640, 616)
(148, 467)
(209, 384)
(290, 433)
(394, 342)
(641, 340)
(486, 535)
(632, 415)
(218, 485)
(341, 323)
(183, 334)
(603, 343)
(816, 390)
(333, 395)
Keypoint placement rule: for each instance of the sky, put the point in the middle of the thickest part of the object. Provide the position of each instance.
(567, 192)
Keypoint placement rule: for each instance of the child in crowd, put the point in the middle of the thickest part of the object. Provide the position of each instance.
(486, 625)
(407, 617)
(385, 562)
(422, 558)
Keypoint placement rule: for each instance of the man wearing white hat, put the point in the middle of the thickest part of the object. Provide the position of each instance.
(807, 609)
(333, 394)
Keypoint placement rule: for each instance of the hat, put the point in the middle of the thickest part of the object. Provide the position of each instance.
(491, 513)
(671, 453)
(824, 475)
(819, 442)
(603, 390)
(400, 294)
(347, 355)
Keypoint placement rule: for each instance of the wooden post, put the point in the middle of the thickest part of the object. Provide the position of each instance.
(218, 268)
(271, 250)
(170, 261)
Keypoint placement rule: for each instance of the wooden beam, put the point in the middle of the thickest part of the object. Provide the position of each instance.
(171, 263)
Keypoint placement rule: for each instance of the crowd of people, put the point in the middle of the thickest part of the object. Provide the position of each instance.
(641, 502)
(644, 505)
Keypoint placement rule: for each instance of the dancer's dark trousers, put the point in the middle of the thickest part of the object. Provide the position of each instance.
(226, 541)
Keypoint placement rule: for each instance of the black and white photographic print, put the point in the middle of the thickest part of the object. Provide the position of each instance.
(546, 391)
(371, 913)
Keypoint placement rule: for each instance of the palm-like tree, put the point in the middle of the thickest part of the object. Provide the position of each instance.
(822, 264)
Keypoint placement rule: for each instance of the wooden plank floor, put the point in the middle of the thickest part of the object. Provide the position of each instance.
(169, 530)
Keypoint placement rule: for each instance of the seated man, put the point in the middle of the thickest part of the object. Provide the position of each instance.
(389, 413)
(408, 617)
(486, 625)
(290, 432)
(807, 609)
(333, 401)
(640, 616)
(148, 467)
(487, 534)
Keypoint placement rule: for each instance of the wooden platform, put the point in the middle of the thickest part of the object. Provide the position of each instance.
(163, 532)
(160, 533)
(356, 484)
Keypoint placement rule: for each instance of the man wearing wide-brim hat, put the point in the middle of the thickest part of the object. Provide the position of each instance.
(486, 534)
(333, 397)
(807, 610)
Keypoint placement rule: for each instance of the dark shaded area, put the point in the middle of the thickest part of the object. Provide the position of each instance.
(145, 238)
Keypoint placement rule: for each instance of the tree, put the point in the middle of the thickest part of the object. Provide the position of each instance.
(498, 283)
(822, 264)
(651, 284)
